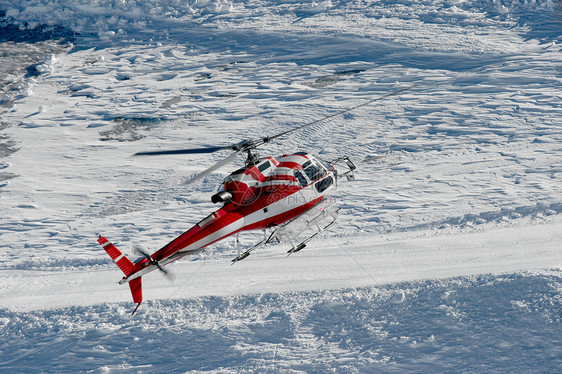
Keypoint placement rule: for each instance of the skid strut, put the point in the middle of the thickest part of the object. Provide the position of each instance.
(297, 248)
(246, 253)
(302, 244)
(243, 255)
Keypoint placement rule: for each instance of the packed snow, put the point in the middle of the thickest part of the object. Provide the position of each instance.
(447, 253)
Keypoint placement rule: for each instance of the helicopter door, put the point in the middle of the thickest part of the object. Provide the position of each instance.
(318, 175)
(301, 178)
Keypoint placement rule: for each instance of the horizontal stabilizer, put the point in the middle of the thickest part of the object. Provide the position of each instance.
(126, 266)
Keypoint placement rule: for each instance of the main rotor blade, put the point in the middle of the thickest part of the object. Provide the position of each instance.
(183, 151)
(249, 144)
(216, 166)
(267, 139)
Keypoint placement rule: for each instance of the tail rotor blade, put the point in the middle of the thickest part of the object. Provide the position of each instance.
(167, 273)
(140, 251)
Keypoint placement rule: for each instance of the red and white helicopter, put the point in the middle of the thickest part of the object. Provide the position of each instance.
(283, 196)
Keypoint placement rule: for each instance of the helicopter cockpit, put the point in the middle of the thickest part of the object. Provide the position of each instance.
(313, 170)
(245, 184)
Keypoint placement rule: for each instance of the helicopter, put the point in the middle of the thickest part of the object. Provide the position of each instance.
(283, 196)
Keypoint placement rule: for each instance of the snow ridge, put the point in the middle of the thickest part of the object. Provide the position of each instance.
(451, 325)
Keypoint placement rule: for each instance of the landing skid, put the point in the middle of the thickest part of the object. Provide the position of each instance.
(134, 311)
(246, 253)
(281, 232)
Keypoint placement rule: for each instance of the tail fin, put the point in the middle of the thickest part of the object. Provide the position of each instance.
(136, 290)
(126, 266)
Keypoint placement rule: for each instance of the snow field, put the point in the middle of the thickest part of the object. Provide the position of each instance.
(447, 253)
(478, 323)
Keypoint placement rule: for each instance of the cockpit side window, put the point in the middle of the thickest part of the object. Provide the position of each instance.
(313, 170)
(263, 167)
(302, 180)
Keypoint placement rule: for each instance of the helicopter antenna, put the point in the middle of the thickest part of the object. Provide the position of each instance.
(249, 145)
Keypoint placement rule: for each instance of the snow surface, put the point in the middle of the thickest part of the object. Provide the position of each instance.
(447, 255)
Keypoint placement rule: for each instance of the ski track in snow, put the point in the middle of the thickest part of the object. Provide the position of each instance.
(447, 252)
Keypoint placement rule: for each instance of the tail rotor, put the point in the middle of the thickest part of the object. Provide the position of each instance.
(141, 252)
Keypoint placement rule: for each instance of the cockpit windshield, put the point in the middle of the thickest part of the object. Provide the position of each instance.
(326, 164)
(313, 170)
